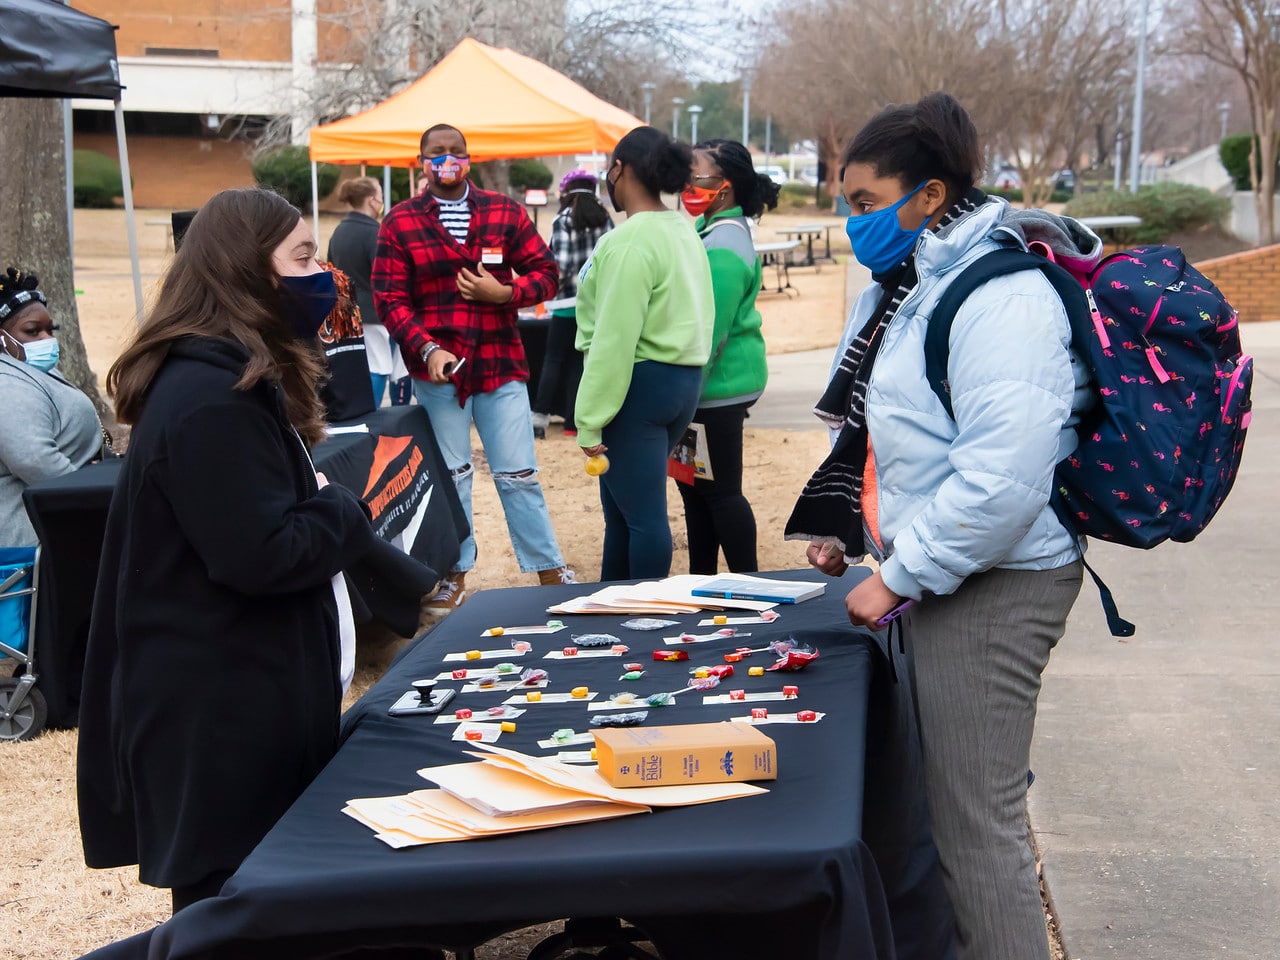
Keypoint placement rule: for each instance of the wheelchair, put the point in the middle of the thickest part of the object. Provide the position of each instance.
(23, 711)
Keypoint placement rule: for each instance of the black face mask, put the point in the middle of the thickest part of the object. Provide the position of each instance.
(308, 301)
(610, 186)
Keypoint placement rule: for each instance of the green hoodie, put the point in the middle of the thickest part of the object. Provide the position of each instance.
(737, 370)
(645, 294)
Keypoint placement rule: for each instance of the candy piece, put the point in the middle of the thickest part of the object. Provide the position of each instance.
(633, 675)
(579, 693)
(460, 674)
(720, 619)
(473, 654)
(701, 672)
(473, 734)
(790, 691)
(531, 676)
(704, 683)
(733, 658)
(621, 649)
(671, 654)
(722, 670)
(632, 666)
(563, 735)
(487, 683)
(796, 659)
(619, 719)
(507, 668)
(507, 726)
(463, 714)
(759, 713)
(597, 465)
(623, 699)
(755, 671)
(806, 716)
(649, 623)
(496, 631)
(521, 646)
(737, 694)
(499, 711)
(659, 699)
(593, 753)
(595, 639)
(533, 696)
(570, 651)
(555, 624)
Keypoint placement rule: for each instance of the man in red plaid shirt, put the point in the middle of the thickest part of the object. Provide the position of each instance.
(453, 266)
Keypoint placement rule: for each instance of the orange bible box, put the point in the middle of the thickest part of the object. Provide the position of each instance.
(688, 753)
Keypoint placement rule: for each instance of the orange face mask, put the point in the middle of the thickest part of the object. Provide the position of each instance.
(697, 199)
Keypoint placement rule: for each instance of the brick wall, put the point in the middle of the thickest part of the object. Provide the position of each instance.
(1250, 281)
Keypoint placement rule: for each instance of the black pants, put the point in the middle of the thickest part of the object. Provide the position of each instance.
(561, 371)
(716, 514)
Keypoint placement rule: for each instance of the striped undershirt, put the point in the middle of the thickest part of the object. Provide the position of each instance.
(455, 216)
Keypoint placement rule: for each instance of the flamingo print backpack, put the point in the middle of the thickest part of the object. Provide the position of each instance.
(1160, 448)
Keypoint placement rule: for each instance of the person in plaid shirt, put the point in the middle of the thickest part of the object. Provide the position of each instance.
(581, 222)
(451, 269)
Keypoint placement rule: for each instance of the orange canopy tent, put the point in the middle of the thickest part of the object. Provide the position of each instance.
(507, 105)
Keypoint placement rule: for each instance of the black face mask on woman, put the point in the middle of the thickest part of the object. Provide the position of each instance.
(307, 302)
(610, 186)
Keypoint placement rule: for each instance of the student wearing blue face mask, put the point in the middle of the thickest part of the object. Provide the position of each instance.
(49, 426)
(955, 508)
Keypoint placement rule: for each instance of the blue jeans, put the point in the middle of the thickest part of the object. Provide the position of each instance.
(506, 433)
(659, 405)
(401, 391)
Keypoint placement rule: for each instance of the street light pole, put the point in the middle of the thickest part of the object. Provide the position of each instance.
(746, 107)
(675, 117)
(1135, 145)
(1225, 109)
(648, 87)
(694, 111)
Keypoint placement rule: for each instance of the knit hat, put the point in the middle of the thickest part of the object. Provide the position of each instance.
(17, 289)
(574, 175)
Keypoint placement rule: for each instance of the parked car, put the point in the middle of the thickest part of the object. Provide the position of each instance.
(1007, 179)
(774, 172)
(809, 175)
(1064, 180)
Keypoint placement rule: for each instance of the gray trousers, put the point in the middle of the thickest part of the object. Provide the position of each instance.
(977, 656)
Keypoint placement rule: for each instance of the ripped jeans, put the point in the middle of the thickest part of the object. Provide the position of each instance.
(502, 420)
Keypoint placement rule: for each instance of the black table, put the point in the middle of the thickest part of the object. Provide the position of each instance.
(801, 872)
(69, 514)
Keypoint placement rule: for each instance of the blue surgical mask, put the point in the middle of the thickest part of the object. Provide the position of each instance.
(878, 240)
(42, 354)
(308, 301)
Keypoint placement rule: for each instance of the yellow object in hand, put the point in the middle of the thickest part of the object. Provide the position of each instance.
(597, 465)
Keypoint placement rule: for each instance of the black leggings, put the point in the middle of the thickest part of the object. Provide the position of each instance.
(716, 514)
(561, 371)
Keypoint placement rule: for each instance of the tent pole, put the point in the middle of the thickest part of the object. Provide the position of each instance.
(127, 182)
(315, 203)
(386, 186)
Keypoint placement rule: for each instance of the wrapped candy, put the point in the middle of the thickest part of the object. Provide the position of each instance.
(649, 623)
(521, 646)
(796, 659)
(632, 666)
(704, 683)
(531, 676)
(671, 655)
(623, 699)
(619, 719)
(632, 675)
(506, 668)
(596, 640)
(721, 670)
(563, 735)
(659, 699)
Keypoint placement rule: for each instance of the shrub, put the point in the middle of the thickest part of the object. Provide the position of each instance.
(530, 174)
(97, 179)
(287, 171)
(793, 196)
(1234, 152)
(1165, 209)
(1015, 194)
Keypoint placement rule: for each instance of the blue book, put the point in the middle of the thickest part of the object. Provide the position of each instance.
(738, 587)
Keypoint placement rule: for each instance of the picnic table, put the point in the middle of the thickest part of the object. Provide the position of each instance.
(809, 232)
(774, 254)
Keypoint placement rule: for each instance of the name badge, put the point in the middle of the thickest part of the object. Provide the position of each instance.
(491, 256)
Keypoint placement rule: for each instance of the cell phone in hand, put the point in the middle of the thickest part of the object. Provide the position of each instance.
(451, 369)
(895, 613)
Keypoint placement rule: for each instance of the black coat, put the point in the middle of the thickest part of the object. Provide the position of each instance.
(211, 690)
(351, 250)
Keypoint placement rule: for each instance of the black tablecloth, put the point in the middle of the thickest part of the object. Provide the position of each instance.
(533, 335)
(787, 874)
(69, 514)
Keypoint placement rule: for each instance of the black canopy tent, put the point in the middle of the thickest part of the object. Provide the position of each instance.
(48, 49)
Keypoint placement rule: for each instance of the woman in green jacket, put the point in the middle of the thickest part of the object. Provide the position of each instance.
(723, 193)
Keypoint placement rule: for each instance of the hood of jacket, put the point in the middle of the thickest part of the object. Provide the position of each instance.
(217, 351)
(1067, 241)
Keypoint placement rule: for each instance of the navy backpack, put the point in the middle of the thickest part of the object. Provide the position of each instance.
(1161, 445)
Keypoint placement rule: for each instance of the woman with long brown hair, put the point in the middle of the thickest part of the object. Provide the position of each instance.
(221, 633)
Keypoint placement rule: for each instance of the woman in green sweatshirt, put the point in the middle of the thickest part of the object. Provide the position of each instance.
(723, 192)
(645, 313)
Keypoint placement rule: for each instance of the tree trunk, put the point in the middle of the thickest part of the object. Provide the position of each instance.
(33, 227)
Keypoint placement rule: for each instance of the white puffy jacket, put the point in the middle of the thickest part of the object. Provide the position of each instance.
(957, 497)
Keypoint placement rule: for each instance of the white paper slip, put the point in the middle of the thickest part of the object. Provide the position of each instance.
(768, 616)
(353, 428)
(587, 654)
(485, 655)
(576, 740)
(553, 697)
(489, 732)
(574, 756)
(475, 673)
(510, 713)
(780, 718)
(500, 685)
(749, 698)
(639, 704)
(522, 631)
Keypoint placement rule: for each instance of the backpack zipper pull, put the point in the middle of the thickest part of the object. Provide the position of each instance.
(1096, 316)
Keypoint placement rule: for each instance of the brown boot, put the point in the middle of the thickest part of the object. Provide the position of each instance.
(449, 596)
(555, 577)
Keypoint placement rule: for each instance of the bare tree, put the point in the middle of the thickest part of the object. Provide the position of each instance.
(1244, 37)
(33, 228)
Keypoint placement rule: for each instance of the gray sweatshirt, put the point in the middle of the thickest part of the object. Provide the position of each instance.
(47, 428)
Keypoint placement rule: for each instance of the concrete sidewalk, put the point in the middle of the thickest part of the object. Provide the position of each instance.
(1157, 798)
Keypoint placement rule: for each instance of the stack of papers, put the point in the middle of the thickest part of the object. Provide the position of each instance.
(509, 792)
(672, 595)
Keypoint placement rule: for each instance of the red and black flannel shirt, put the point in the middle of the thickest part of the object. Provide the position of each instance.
(415, 286)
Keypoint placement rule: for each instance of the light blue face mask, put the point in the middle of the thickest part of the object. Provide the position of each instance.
(42, 354)
(878, 240)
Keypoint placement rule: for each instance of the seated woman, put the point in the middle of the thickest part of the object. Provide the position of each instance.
(50, 426)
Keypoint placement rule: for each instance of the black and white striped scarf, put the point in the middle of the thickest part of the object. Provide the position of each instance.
(830, 505)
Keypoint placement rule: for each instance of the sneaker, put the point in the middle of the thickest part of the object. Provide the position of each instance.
(554, 578)
(540, 422)
(449, 596)
(570, 432)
